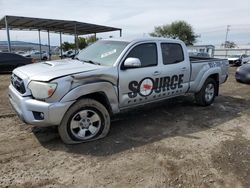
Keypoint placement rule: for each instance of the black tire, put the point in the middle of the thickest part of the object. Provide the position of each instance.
(70, 136)
(45, 58)
(201, 96)
(239, 63)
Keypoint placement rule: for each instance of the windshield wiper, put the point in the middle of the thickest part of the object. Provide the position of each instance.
(92, 62)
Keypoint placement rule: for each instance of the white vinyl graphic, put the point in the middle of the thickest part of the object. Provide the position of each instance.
(146, 87)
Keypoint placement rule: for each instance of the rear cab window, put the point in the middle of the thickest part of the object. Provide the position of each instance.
(172, 53)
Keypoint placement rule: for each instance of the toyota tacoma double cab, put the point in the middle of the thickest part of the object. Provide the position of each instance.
(110, 76)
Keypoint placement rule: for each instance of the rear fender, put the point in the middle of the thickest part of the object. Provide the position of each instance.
(209, 73)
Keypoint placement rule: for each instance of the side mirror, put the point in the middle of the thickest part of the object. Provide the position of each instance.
(132, 62)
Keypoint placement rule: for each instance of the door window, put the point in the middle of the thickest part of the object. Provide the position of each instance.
(146, 53)
(171, 53)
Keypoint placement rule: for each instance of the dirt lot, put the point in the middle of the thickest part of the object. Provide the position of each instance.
(172, 144)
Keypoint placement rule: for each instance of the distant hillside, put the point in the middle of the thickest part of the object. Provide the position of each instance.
(26, 46)
(21, 43)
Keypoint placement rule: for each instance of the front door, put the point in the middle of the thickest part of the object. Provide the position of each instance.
(136, 85)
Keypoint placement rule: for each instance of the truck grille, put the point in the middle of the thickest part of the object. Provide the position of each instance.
(18, 83)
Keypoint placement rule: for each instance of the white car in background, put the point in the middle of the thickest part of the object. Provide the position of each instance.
(69, 54)
(20, 52)
(238, 59)
(37, 55)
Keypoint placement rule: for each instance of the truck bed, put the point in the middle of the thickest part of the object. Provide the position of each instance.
(200, 65)
(203, 59)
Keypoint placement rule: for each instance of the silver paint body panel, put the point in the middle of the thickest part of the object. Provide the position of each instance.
(76, 79)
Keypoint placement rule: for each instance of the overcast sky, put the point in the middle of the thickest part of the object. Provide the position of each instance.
(138, 17)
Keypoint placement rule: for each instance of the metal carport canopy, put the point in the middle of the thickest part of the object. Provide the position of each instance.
(51, 25)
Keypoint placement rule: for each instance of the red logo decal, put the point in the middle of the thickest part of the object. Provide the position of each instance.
(147, 86)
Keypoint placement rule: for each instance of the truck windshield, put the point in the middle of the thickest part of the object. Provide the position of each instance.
(102, 52)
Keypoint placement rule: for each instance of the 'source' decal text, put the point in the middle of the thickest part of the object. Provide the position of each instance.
(148, 85)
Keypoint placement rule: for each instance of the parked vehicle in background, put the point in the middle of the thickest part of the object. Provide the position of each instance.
(10, 61)
(20, 52)
(36, 55)
(238, 59)
(69, 54)
(110, 76)
(74, 54)
(243, 73)
(198, 54)
(66, 54)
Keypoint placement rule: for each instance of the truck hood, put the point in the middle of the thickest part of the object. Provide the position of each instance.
(48, 70)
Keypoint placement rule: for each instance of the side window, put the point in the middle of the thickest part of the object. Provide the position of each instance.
(171, 53)
(147, 53)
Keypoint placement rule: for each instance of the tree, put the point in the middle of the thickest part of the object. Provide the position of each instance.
(176, 30)
(82, 42)
(67, 46)
(91, 39)
(229, 44)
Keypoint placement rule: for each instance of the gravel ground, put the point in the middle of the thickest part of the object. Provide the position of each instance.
(171, 144)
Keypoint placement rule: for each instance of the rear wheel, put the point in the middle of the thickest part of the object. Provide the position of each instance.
(207, 93)
(86, 120)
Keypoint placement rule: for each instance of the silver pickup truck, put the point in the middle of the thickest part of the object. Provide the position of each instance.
(110, 76)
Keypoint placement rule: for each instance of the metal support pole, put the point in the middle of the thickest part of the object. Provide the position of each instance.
(49, 45)
(76, 39)
(40, 47)
(95, 36)
(77, 43)
(120, 33)
(228, 29)
(8, 34)
(61, 44)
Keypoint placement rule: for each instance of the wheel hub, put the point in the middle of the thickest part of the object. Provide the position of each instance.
(209, 92)
(85, 123)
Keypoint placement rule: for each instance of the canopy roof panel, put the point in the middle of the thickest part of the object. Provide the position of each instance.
(63, 26)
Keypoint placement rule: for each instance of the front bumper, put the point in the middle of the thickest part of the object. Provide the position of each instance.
(27, 109)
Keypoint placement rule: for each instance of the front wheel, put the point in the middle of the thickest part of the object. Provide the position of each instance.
(207, 93)
(85, 120)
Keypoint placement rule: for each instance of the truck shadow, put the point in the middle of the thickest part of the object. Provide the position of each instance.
(176, 117)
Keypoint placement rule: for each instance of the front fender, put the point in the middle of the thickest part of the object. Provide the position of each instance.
(107, 88)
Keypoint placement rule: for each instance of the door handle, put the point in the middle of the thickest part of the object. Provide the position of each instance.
(184, 68)
(156, 73)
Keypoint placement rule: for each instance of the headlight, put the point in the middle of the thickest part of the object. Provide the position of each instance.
(42, 90)
(238, 69)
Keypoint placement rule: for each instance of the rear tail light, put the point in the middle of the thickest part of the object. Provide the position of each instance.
(33, 60)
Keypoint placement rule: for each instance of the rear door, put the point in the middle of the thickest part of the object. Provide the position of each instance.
(175, 69)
